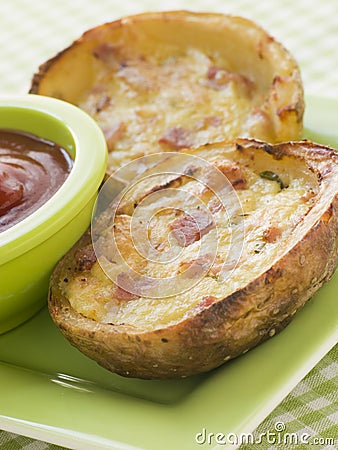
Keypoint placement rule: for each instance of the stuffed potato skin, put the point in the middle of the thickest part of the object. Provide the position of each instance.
(125, 75)
(232, 325)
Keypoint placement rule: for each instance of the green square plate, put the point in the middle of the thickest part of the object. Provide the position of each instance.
(50, 391)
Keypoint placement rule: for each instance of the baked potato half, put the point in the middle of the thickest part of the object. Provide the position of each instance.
(163, 81)
(201, 258)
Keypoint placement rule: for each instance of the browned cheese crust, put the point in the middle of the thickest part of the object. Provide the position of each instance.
(216, 328)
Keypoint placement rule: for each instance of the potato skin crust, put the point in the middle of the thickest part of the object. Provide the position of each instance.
(229, 327)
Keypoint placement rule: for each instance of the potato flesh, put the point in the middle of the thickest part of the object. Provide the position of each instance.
(264, 207)
(142, 102)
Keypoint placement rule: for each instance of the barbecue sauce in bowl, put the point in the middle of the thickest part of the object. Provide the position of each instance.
(32, 169)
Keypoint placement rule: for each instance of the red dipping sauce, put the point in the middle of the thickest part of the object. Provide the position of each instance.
(32, 169)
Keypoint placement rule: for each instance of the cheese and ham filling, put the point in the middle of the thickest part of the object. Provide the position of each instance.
(170, 100)
(193, 243)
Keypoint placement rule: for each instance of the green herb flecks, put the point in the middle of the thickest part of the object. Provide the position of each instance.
(272, 176)
(259, 247)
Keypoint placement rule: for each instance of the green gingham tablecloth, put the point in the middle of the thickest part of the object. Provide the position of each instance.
(33, 30)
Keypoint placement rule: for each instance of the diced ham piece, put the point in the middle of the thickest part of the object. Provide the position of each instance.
(176, 138)
(114, 134)
(85, 258)
(209, 121)
(220, 266)
(233, 172)
(125, 289)
(206, 301)
(189, 228)
(129, 289)
(218, 78)
(271, 234)
(196, 267)
(105, 52)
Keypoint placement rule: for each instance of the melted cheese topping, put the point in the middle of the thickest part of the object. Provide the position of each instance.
(170, 99)
(232, 246)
